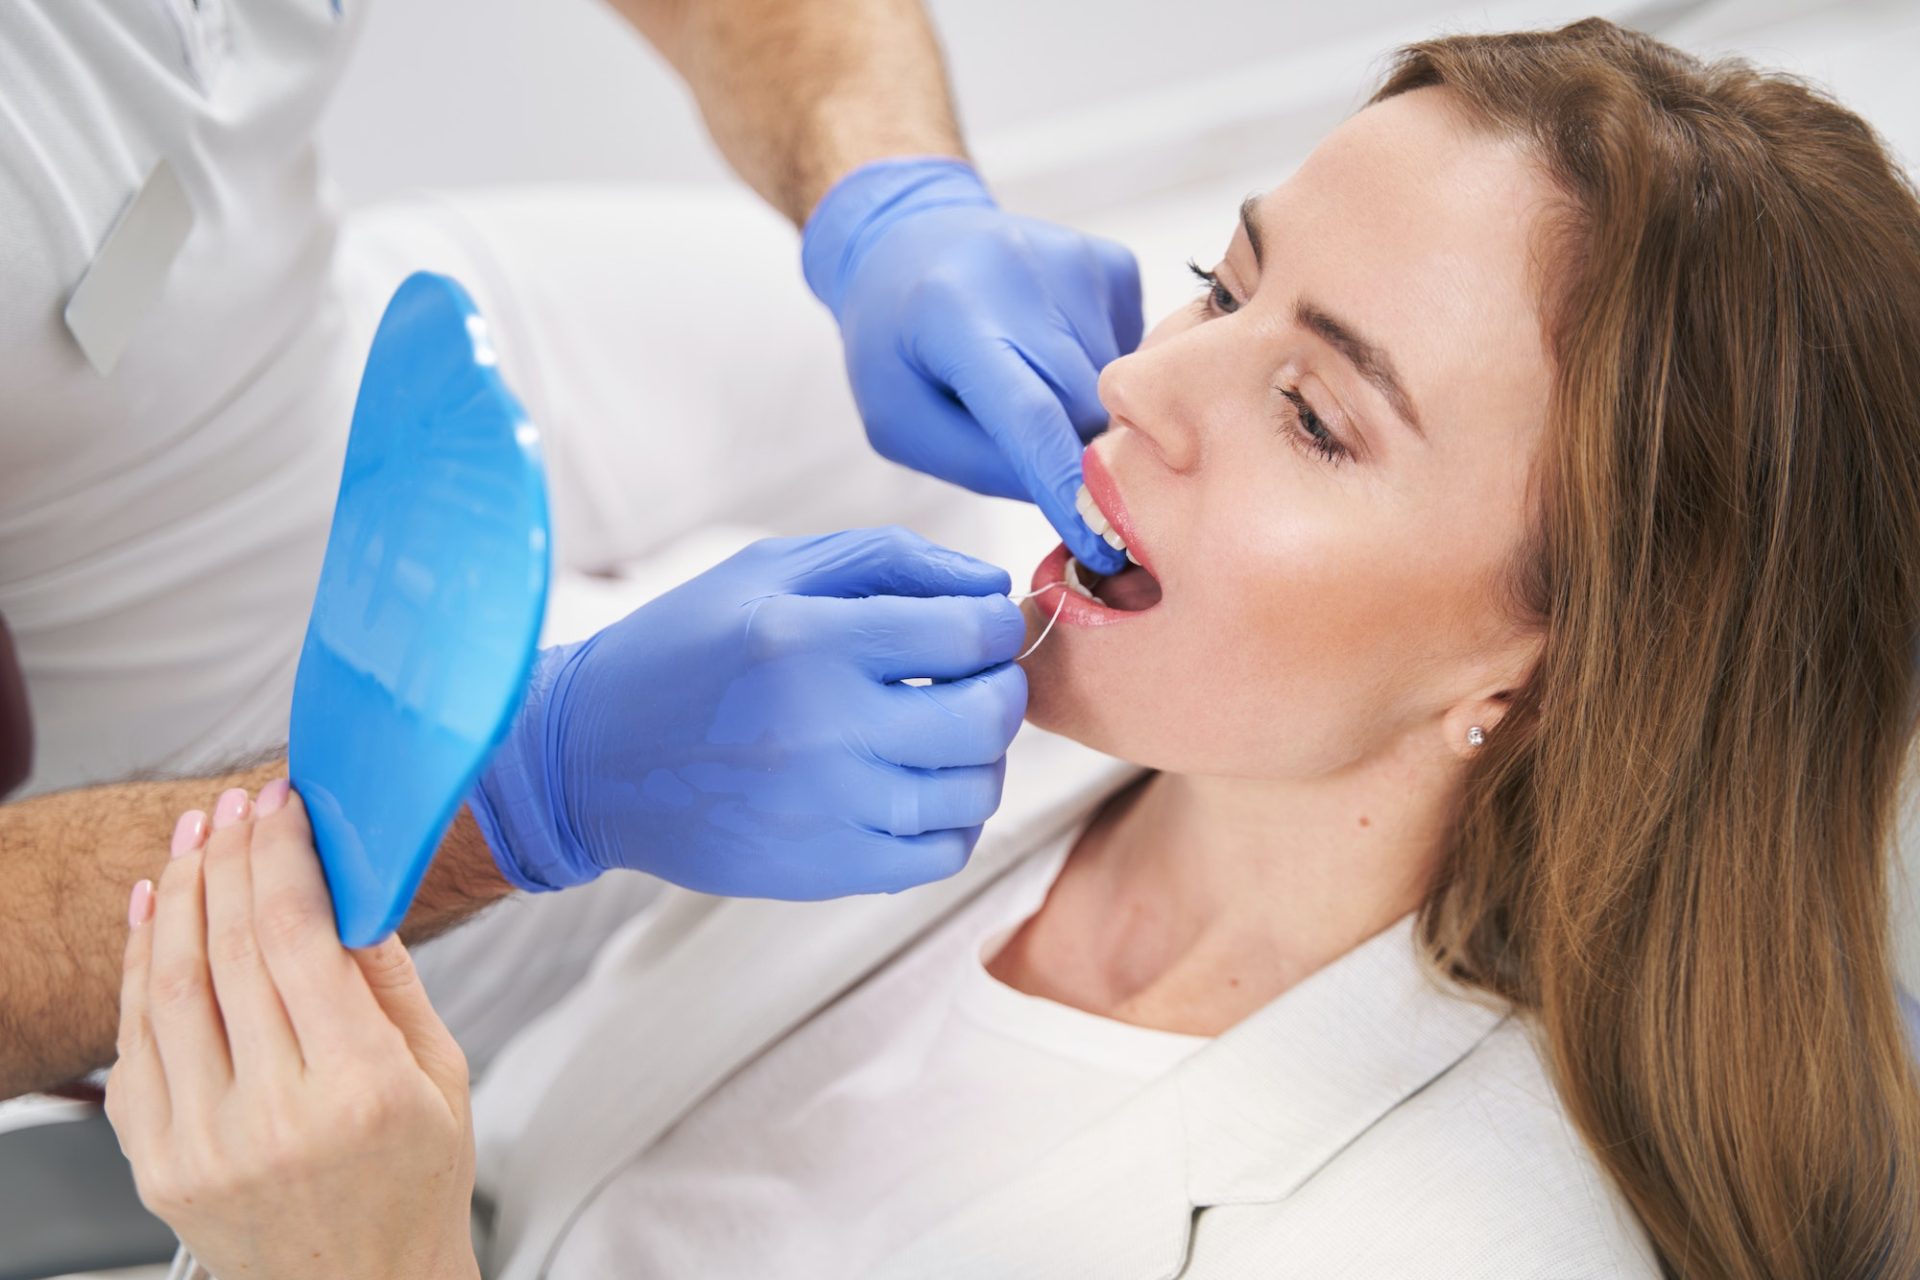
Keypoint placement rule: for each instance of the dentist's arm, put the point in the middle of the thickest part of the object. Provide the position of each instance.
(974, 338)
(68, 858)
(797, 93)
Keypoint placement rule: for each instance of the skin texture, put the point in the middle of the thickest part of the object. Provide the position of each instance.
(1329, 630)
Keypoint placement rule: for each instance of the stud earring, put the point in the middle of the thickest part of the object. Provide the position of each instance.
(1476, 736)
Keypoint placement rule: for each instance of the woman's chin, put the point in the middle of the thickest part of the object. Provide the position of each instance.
(1060, 701)
(1042, 714)
(1087, 730)
(1084, 655)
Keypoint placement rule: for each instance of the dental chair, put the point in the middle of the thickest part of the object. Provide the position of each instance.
(67, 1202)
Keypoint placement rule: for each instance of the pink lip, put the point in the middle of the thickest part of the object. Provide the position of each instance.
(1078, 610)
(1106, 496)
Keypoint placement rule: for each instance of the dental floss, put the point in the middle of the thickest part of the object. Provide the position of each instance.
(1048, 629)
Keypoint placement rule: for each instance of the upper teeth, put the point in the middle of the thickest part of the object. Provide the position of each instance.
(1097, 521)
(1073, 579)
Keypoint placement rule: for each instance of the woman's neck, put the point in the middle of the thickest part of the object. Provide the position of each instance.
(1191, 901)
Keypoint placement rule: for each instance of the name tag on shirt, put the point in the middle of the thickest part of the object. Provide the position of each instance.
(128, 274)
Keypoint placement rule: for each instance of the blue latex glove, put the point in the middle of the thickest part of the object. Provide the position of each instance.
(744, 735)
(974, 338)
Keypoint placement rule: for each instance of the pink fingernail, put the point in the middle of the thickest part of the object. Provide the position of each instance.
(272, 798)
(140, 905)
(230, 808)
(189, 832)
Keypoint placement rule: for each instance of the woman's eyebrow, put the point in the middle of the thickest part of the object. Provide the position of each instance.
(1250, 223)
(1370, 359)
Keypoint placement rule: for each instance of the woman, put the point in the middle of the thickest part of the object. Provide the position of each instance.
(1523, 651)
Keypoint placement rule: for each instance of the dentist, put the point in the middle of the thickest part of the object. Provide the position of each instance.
(176, 364)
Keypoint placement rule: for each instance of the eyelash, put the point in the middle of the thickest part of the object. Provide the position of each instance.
(1215, 296)
(1312, 434)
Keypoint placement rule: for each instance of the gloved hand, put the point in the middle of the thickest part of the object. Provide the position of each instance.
(743, 734)
(974, 338)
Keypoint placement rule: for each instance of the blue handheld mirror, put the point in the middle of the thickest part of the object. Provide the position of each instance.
(428, 612)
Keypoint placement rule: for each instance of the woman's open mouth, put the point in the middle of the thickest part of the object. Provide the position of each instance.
(1090, 599)
(1087, 599)
(1132, 590)
(1093, 599)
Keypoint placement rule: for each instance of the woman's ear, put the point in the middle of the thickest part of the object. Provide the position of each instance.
(1459, 725)
(1497, 681)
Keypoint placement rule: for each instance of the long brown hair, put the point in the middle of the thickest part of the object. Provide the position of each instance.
(1675, 848)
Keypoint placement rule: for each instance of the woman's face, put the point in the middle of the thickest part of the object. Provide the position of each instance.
(1324, 462)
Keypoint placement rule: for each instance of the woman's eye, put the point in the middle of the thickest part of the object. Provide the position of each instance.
(1218, 298)
(1308, 432)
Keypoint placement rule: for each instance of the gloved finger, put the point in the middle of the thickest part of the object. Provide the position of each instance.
(1021, 412)
(862, 859)
(915, 421)
(962, 722)
(1070, 367)
(1096, 287)
(1129, 316)
(887, 561)
(911, 802)
(881, 863)
(1123, 299)
(900, 638)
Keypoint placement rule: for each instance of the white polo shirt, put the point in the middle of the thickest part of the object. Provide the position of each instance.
(161, 525)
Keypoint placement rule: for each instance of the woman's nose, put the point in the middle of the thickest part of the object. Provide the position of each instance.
(1151, 394)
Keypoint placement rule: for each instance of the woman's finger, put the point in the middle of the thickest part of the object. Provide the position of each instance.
(258, 1032)
(326, 998)
(187, 1029)
(396, 985)
(137, 1087)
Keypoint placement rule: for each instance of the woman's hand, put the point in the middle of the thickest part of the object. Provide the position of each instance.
(291, 1108)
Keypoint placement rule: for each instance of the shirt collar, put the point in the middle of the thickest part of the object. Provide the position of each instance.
(1278, 1096)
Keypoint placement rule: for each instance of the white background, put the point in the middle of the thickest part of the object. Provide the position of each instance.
(458, 91)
